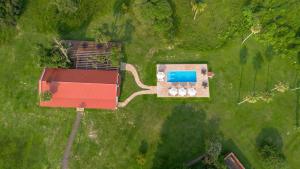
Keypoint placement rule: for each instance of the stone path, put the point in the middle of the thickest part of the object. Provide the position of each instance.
(147, 89)
(142, 92)
(68, 149)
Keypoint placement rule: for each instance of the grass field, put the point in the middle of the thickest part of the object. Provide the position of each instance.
(174, 130)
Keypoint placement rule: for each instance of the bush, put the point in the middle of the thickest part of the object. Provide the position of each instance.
(46, 96)
(214, 149)
(66, 7)
(159, 14)
(143, 147)
(51, 57)
(272, 159)
(269, 145)
(10, 10)
(70, 15)
(277, 27)
(115, 57)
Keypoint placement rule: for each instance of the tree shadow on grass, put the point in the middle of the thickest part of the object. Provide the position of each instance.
(74, 25)
(297, 105)
(121, 7)
(183, 137)
(230, 146)
(257, 65)
(243, 60)
(22, 148)
(297, 92)
(269, 53)
(119, 33)
(270, 137)
(176, 19)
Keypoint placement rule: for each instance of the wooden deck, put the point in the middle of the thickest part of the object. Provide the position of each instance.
(163, 86)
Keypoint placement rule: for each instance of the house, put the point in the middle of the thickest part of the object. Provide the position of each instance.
(78, 88)
(233, 162)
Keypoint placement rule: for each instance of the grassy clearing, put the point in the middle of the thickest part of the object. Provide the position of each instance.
(173, 129)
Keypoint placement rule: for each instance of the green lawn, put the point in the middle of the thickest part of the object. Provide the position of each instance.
(173, 130)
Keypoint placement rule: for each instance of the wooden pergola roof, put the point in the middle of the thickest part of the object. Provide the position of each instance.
(87, 54)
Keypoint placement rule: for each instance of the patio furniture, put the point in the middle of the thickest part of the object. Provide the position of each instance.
(162, 68)
(160, 76)
(205, 83)
(203, 71)
(191, 91)
(173, 91)
(182, 91)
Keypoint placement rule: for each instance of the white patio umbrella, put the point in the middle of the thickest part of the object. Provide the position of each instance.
(160, 76)
(192, 91)
(182, 91)
(173, 91)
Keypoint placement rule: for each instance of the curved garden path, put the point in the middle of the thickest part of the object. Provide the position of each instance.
(130, 68)
(147, 89)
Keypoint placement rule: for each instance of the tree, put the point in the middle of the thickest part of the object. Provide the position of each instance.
(197, 7)
(272, 159)
(281, 87)
(254, 30)
(159, 13)
(213, 152)
(66, 7)
(266, 96)
(52, 57)
(10, 10)
(58, 44)
(275, 16)
(269, 144)
(250, 99)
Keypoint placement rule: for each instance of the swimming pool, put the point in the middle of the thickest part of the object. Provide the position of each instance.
(182, 76)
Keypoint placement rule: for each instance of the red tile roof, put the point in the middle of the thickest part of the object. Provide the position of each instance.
(80, 88)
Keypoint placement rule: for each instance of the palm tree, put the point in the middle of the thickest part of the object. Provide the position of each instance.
(197, 7)
(254, 30)
(250, 99)
(63, 50)
(281, 87)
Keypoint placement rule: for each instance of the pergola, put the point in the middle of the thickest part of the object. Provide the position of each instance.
(91, 55)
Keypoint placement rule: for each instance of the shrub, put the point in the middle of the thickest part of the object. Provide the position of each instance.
(115, 57)
(269, 145)
(277, 29)
(51, 57)
(143, 147)
(46, 96)
(159, 13)
(272, 158)
(214, 149)
(66, 7)
(10, 10)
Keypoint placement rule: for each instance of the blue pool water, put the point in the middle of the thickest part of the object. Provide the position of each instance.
(182, 76)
